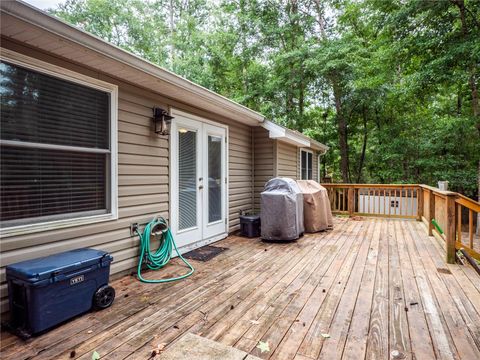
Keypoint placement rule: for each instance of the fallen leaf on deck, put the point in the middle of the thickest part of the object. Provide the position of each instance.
(255, 322)
(263, 346)
(95, 355)
(326, 336)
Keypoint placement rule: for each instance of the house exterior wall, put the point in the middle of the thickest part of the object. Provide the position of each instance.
(143, 178)
(274, 158)
(264, 163)
(287, 160)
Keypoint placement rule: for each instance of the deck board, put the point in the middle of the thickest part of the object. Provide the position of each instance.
(366, 289)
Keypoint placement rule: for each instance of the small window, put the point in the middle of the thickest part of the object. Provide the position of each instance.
(56, 148)
(306, 162)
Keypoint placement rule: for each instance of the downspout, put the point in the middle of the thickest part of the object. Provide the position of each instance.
(253, 171)
(319, 163)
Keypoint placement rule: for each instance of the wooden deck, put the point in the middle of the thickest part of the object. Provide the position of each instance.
(371, 288)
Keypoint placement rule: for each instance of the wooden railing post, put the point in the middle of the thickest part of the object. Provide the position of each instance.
(450, 227)
(419, 203)
(431, 211)
(351, 201)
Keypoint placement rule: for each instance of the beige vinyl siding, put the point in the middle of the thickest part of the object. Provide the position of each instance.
(287, 160)
(143, 179)
(315, 166)
(264, 150)
(240, 173)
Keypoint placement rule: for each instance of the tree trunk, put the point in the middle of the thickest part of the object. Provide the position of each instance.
(342, 132)
(364, 146)
(172, 31)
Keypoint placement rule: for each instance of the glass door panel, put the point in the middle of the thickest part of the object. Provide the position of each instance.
(214, 197)
(187, 179)
(214, 178)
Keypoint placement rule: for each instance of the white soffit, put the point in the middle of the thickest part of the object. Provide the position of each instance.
(283, 134)
(26, 24)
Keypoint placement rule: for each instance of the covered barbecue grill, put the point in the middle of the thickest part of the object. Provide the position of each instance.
(316, 211)
(281, 210)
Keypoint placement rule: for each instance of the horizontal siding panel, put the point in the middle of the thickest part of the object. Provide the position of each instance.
(239, 196)
(240, 166)
(142, 98)
(143, 209)
(239, 148)
(142, 170)
(135, 108)
(240, 156)
(137, 121)
(142, 190)
(129, 159)
(263, 160)
(150, 141)
(142, 150)
(142, 179)
(142, 199)
(241, 181)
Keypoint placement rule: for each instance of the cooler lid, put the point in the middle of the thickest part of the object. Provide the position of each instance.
(43, 268)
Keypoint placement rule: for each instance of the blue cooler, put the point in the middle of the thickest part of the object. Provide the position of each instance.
(46, 291)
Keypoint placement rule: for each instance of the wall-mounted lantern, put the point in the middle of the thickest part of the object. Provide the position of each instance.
(161, 121)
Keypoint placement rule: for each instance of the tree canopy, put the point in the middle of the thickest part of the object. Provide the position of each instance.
(390, 86)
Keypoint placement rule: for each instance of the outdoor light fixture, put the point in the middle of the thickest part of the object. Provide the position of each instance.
(161, 121)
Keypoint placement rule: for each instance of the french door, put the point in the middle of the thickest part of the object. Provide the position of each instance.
(198, 180)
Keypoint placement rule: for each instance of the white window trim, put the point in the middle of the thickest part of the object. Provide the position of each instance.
(300, 161)
(62, 73)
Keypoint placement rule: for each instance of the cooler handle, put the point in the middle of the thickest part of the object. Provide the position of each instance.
(61, 277)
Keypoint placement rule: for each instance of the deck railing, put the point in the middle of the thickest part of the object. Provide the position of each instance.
(448, 215)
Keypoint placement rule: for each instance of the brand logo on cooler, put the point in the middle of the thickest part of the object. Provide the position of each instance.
(77, 280)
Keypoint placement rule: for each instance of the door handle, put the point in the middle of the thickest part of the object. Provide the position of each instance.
(200, 187)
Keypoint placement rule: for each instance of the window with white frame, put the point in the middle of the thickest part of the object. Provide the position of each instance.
(57, 146)
(306, 162)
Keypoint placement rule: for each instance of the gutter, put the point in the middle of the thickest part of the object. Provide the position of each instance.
(30, 14)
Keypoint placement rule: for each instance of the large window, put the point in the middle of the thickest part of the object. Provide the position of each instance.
(306, 162)
(55, 147)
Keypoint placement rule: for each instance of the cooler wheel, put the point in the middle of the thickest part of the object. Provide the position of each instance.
(103, 297)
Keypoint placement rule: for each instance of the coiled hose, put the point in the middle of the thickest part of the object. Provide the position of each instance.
(162, 255)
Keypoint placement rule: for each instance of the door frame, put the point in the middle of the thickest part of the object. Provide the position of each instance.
(174, 187)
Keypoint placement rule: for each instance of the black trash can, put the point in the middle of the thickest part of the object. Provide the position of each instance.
(46, 291)
(250, 225)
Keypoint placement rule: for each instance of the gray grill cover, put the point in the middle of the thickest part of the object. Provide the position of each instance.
(316, 212)
(282, 210)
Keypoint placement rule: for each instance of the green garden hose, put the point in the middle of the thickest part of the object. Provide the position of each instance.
(162, 255)
(434, 222)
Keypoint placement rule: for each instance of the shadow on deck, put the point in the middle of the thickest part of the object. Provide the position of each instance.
(371, 288)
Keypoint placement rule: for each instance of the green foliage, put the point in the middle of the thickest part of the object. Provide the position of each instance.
(399, 75)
